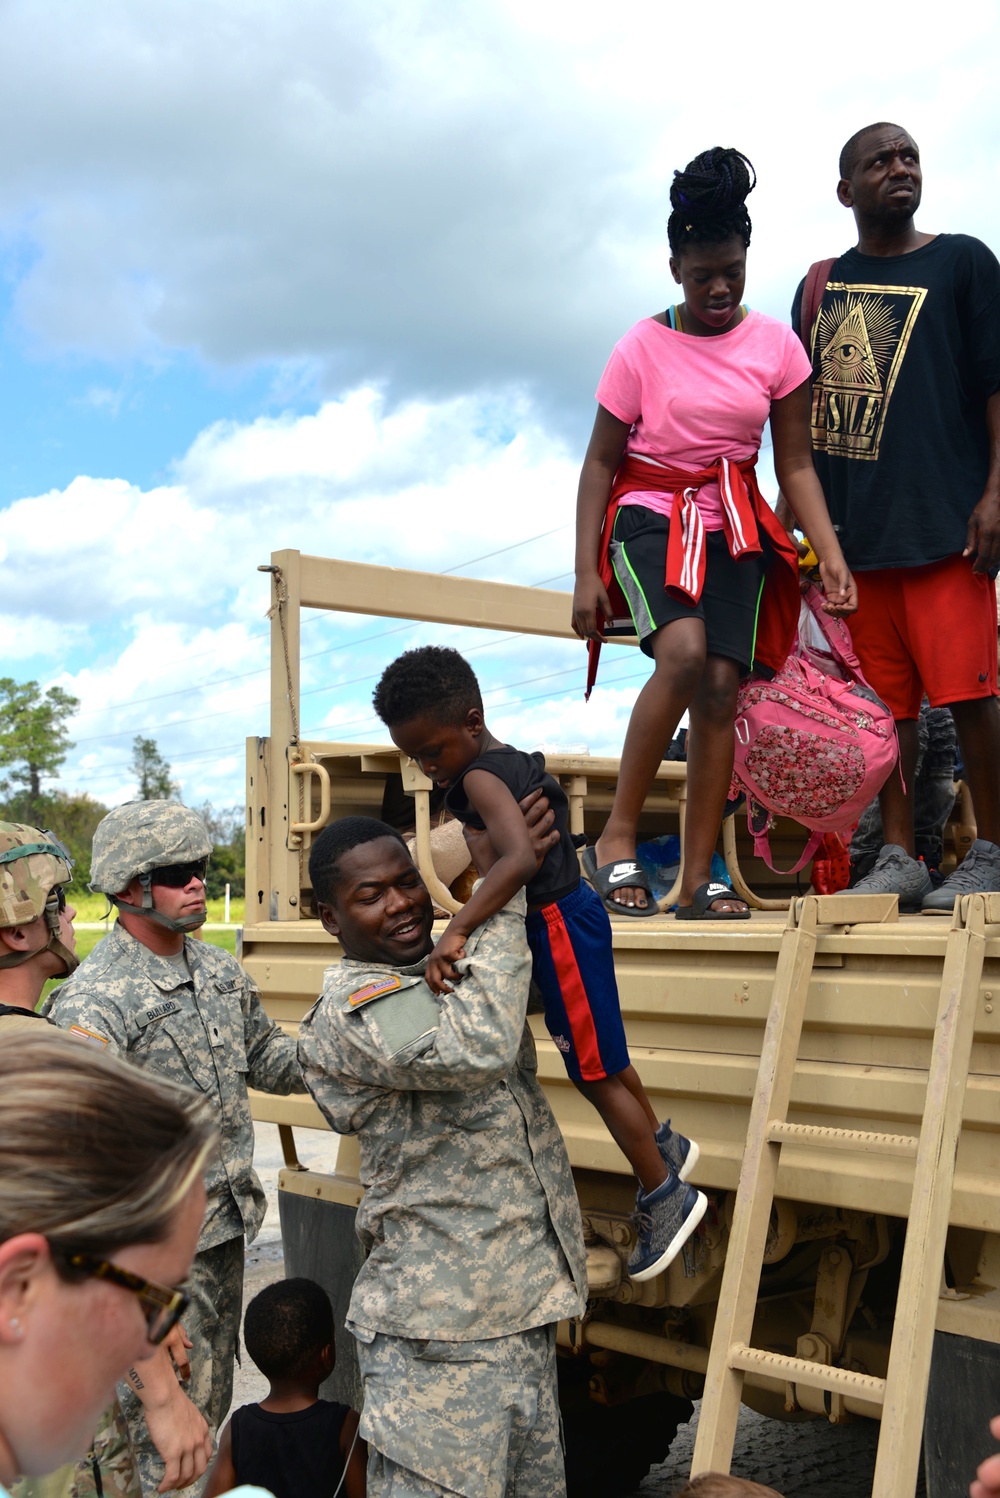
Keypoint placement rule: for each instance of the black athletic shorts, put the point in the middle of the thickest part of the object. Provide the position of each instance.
(729, 600)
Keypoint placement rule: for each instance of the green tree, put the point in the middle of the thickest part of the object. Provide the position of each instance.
(73, 819)
(34, 739)
(227, 829)
(152, 772)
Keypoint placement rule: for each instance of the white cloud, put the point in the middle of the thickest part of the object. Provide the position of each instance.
(441, 218)
(166, 579)
(440, 198)
(424, 485)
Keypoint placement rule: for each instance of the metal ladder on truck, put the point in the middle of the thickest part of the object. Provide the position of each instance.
(902, 1393)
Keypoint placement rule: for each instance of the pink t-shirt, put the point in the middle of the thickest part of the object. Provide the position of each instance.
(693, 400)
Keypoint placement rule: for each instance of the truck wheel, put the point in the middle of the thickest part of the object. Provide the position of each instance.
(610, 1448)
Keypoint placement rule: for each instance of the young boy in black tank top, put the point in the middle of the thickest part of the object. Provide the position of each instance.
(293, 1444)
(429, 700)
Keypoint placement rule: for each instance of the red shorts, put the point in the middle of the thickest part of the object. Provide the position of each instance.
(927, 630)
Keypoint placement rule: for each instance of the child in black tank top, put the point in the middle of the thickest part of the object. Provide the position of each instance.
(293, 1444)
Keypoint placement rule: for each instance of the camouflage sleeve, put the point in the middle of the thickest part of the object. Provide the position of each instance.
(482, 1021)
(476, 1040)
(91, 1015)
(344, 1102)
(271, 1054)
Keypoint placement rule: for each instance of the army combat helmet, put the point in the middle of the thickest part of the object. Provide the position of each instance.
(135, 840)
(34, 866)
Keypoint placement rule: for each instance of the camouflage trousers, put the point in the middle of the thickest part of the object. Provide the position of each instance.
(107, 1470)
(212, 1321)
(479, 1419)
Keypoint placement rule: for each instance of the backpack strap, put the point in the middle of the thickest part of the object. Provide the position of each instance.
(762, 849)
(812, 294)
(835, 632)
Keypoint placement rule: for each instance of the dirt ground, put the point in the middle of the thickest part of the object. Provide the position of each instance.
(264, 1262)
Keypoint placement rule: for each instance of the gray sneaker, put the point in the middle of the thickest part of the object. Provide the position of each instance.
(664, 1220)
(978, 873)
(677, 1152)
(896, 873)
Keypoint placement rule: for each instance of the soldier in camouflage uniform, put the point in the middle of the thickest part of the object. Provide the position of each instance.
(107, 1470)
(36, 924)
(470, 1216)
(37, 943)
(186, 1010)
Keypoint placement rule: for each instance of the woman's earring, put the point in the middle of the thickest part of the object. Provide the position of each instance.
(16, 1328)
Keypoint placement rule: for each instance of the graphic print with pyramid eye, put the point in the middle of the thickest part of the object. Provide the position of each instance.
(847, 360)
(860, 340)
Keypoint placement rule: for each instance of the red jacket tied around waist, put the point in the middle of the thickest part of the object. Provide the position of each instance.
(749, 525)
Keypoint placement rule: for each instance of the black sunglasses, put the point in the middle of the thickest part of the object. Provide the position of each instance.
(164, 1305)
(177, 875)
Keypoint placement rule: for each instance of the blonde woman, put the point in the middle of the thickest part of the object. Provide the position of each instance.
(101, 1201)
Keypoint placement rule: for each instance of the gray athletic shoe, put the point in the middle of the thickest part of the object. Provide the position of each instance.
(978, 873)
(677, 1152)
(665, 1220)
(896, 873)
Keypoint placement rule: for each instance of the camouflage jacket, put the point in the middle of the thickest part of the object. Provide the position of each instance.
(210, 1033)
(470, 1215)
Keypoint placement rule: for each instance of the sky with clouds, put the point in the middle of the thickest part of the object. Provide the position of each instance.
(281, 273)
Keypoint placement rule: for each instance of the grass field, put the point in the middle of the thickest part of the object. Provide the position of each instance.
(86, 941)
(93, 907)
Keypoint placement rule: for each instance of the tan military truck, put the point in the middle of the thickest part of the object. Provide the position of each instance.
(818, 1052)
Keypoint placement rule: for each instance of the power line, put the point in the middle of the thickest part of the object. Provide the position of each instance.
(109, 770)
(488, 555)
(336, 728)
(124, 733)
(219, 681)
(368, 676)
(229, 712)
(504, 687)
(541, 696)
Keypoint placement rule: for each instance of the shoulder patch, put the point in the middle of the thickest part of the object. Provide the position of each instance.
(374, 990)
(89, 1035)
(407, 1021)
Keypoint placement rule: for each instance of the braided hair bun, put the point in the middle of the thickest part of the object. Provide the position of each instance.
(708, 199)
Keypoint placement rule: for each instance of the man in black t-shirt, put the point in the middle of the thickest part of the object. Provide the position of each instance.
(905, 344)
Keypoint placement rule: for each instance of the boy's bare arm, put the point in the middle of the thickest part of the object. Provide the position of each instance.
(539, 819)
(222, 1478)
(355, 1477)
(515, 865)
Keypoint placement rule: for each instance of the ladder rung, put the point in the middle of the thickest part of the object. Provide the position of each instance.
(800, 1371)
(780, 1132)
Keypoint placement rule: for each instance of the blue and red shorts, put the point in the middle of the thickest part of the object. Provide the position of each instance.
(573, 965)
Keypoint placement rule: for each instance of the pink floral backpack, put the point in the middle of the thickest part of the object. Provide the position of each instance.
(815, 743)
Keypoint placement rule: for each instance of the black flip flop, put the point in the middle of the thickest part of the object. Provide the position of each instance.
(624, 873)
(701, 902)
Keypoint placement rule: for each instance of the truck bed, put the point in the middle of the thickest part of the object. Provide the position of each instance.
(695, 999)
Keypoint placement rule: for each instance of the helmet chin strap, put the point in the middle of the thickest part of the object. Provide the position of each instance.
(54, 944)
(180, 924)
(15, 959)
(71, 960)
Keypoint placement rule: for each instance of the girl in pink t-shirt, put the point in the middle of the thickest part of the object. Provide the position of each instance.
(684, 399)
